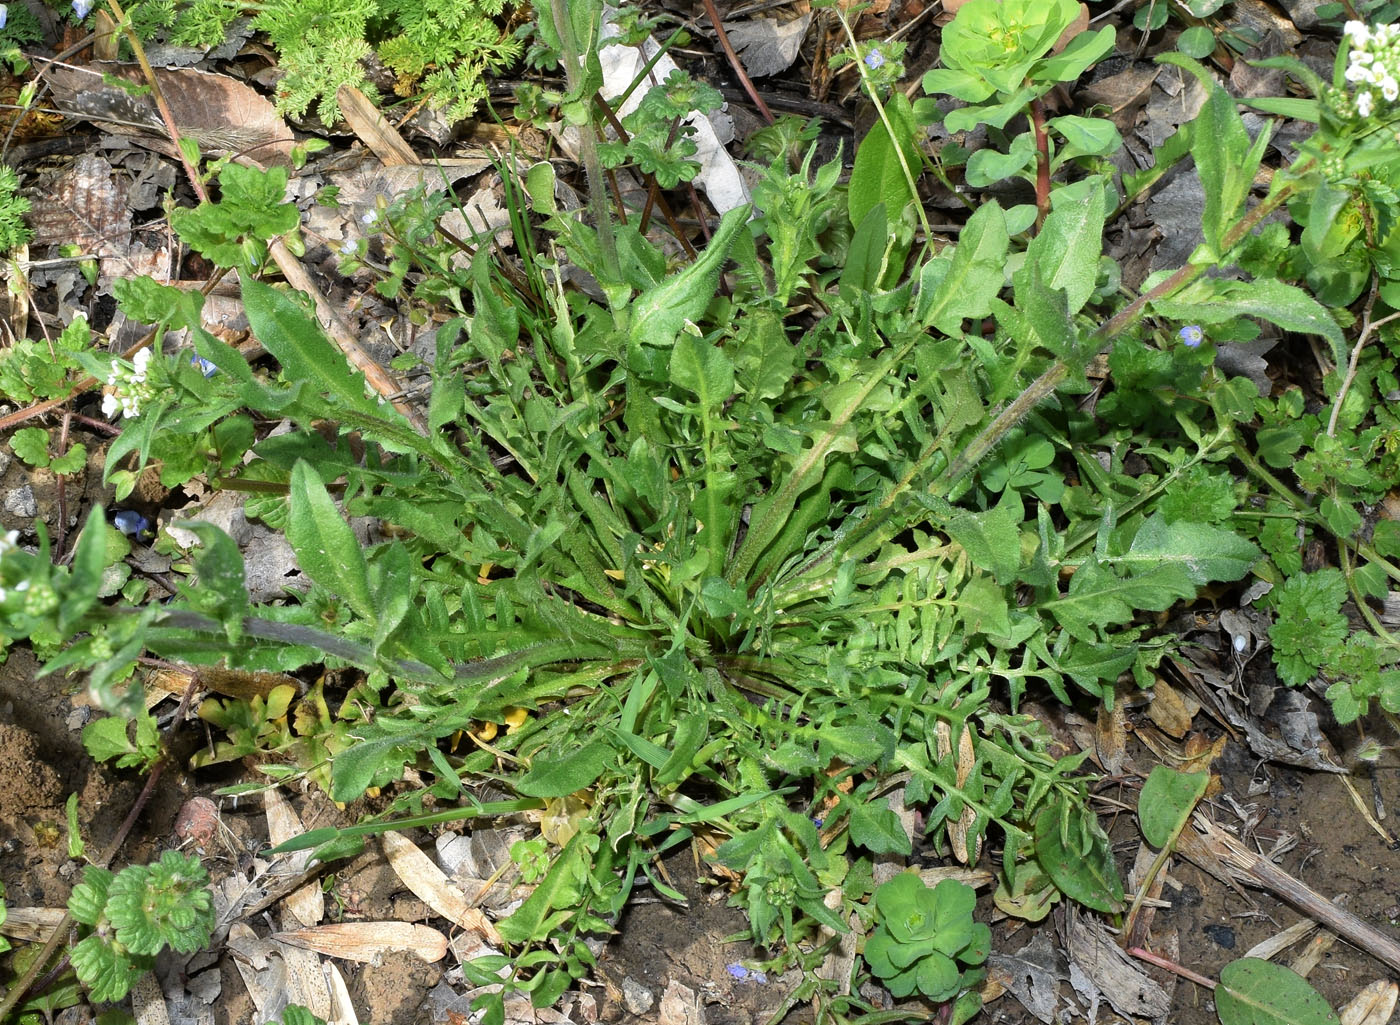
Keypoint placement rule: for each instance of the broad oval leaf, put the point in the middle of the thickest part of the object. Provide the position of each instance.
(1166, 802)
(1256, 992)
(1089, 877)
(326, 548)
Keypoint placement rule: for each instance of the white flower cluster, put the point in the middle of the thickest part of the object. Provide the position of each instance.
(129, 387)
(1374, 64)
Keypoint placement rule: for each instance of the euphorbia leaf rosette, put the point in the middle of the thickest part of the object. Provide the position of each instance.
(1000, 47)
(922, 934)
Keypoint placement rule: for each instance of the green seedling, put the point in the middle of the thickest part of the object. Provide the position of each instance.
(129, 917)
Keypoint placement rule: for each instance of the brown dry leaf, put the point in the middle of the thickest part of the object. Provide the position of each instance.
(364, 941)
(1171, 710)
(1200, 752)
(428, 883)
(1123, 92)
(89, 206)
(1111, 739)
(1372, 1006)
(1131, 991)
(225, 116)
(148, 1001)
(342, 1010)
(307, 904)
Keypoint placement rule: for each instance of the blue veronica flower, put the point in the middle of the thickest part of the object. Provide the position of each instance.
(874, 59)
(4, 14)
(82, 8)
(130, 522)
(205, 367)
(1191, 335)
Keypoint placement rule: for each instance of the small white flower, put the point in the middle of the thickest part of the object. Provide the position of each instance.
(348, 247)
(1390, 89)
(1363, 103)
(1357, 72)
(1357, 32)
(369, 217)
(22, 586)
(1362, 56)
(109, 404)
(9, 542)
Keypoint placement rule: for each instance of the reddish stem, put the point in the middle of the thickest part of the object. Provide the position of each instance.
(1042, 163)
(1171, 966)
(744, 79)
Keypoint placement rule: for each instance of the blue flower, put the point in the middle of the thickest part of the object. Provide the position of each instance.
(4, 14)
(1191, 335)
(742, 974)
(82, 8)
(130, 522)
(205, 367)
(874, 59)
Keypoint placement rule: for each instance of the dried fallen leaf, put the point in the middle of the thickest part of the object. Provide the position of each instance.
(308, 904)
(428, 883)
(225, 116)
(365, 941)
(31, 925)
(342, 1010)
(1372, 1006)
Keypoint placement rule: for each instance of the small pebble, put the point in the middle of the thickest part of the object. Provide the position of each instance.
(197, 824)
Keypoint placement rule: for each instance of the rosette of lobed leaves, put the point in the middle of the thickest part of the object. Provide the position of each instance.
(922, 936)
(133, 915)
(1001, 49)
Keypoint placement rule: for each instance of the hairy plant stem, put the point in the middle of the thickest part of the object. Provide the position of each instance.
(588, 142)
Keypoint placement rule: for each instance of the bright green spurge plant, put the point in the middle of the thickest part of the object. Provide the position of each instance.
(926, 941)
(998, 57)
(129, 917)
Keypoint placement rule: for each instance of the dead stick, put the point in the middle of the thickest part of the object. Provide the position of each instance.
(1256, 870)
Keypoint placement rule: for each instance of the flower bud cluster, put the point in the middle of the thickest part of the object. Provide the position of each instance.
(1373, 65)
(128, 386)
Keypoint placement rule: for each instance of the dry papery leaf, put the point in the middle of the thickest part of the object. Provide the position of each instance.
(31, 925)
(429, 884)
(225, 116)
(365, 941)
(1372, 1006)
(308, 904)
(342, 1010)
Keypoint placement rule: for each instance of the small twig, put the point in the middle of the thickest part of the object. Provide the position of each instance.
(1171, 966)
(191, 171)
(1367, 328)
(734, 62)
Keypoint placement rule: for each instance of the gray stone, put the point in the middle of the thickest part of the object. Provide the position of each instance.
(636, 997)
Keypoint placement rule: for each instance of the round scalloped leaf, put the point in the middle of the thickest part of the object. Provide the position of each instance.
(90, 896)
(1256, 992)
(107, 974)
(938, 978)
